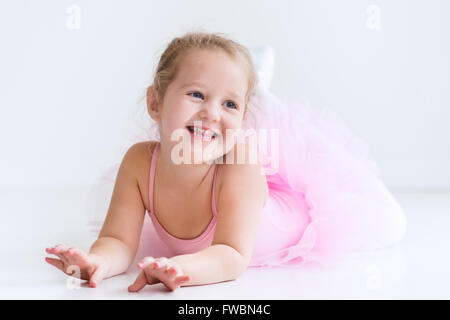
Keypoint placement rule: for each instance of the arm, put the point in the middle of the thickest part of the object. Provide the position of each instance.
(115, 252)
(217, 263)
(119, 238)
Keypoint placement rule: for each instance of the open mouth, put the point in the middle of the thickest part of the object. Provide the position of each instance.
(200, 133)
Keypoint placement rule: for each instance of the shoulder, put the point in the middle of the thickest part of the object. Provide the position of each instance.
(138, 156)
(137, 161)
(242, 195)
(143, 149)
(239, 173)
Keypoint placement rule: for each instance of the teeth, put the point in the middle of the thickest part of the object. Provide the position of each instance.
(205, 137)
(202, 133)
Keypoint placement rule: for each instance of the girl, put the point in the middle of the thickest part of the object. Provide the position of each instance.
(313, 193)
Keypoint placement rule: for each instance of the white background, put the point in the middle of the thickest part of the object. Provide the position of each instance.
(67, 95)
(69, 101)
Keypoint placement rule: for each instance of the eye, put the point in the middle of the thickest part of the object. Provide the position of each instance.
(232, 104)
(194, 93)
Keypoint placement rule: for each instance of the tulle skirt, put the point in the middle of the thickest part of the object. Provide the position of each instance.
(326, 198)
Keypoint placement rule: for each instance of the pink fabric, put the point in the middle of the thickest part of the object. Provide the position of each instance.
(181, 246)
(326, 199)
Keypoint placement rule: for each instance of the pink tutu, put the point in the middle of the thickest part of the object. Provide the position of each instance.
(327, 198)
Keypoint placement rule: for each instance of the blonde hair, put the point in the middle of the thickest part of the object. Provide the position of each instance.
(168, 64)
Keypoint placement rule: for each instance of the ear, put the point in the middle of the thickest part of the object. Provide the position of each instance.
(153, 103)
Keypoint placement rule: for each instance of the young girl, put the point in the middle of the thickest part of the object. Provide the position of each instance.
(313, 193)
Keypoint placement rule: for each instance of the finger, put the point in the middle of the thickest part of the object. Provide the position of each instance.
(173, 270)
(145, 262)
(66, 252)
(55, 262)
(76, 253)
(160, 262)
(61, 250)
(62, 257)
(52, 247)
(139, 283)
(181, 279)
(54, 250)
(49, 249)
(98, 275)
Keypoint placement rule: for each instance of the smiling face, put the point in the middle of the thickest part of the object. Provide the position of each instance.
(210, 86)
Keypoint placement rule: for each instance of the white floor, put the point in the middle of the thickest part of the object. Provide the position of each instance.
(33, 219)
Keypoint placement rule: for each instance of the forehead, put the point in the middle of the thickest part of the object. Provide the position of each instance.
(214, 69)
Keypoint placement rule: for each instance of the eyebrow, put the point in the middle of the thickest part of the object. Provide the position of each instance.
(199, 84)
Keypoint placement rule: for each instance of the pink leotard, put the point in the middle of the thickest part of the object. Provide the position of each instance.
(178, 245)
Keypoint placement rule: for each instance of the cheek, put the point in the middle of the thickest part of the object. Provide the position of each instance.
(175, 118)
(174, 123)
(236, 122)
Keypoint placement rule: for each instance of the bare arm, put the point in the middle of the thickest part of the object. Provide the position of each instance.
(119, 238)
(115, 252)
(216, 263)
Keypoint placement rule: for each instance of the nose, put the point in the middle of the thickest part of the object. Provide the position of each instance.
(210, 111)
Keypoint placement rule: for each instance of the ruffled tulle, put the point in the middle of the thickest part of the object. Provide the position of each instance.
(327, 170)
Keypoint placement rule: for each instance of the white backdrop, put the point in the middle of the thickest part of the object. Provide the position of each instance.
(73, 71)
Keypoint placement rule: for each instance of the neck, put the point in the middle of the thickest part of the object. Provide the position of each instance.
(182, 176)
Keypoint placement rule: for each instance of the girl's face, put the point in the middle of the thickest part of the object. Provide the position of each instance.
(209, 91)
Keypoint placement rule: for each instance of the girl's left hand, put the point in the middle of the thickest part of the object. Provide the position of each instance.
(158, 270)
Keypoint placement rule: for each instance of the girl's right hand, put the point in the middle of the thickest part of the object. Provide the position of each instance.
(92, 267)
